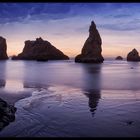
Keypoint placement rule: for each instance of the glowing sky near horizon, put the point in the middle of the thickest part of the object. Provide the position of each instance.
(66, 25)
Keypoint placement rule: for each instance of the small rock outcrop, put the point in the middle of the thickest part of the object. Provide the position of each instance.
(133, 55)
(119, 58)
(7, 113)
(91, 51)
(40, 50)
(3, 49)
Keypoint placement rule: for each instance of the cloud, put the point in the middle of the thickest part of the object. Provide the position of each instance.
(17, 12)
(122, 16)
(119, 27)
(24, 12)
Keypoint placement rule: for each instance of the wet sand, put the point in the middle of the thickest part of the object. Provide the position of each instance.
(64, 111)
(12, 97)
(64, 99)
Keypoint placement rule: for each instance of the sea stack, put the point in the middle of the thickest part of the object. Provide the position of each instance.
(3, 49)
(91, 51)
(133, 55)
(119, 58)
(40, 50)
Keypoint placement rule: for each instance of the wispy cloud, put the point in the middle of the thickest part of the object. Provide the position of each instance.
(122, 16)
(119, 27)
(13, 12)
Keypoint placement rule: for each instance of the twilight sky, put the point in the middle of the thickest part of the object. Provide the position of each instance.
(66, 25)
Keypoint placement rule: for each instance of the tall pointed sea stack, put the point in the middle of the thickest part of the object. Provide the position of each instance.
(91, 51)
(40, 50)
(3, 49)
(133, 55)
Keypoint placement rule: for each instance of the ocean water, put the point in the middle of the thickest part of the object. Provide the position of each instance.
(68, 99)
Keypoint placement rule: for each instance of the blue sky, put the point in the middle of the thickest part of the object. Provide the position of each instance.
(66, 25)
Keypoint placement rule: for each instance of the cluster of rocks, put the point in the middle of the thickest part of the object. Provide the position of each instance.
(42, 50)
(131, 56)
(7, 113)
